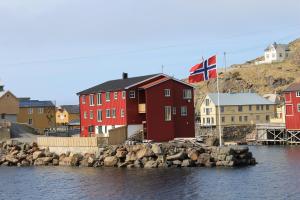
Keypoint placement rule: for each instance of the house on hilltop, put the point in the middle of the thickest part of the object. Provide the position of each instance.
(158, 105)
(275, 53)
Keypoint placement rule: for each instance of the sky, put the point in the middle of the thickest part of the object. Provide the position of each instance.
(52, 49)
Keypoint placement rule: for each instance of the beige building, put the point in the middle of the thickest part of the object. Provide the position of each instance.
(37, 114)
(235, 109)
(9, 105)
(66, 114)
(280, 107)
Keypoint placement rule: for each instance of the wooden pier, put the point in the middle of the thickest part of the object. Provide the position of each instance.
(275, 133)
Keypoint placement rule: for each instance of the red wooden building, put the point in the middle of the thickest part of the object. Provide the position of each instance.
(161, 106)
(292, 116)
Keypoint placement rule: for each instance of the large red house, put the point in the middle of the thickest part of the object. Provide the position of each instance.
(292, 103)
(161, 106)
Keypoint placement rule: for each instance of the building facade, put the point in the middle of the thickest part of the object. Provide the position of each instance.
(66, 114)
(235, 110)
(9, 105)
(37, 114)
(278, 100)
(159, 105)
(275, 53)
(292, 103)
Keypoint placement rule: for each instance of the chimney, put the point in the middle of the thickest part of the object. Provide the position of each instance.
(125, 75)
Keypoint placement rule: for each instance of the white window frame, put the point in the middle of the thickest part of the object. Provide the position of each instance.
(92, 103)
(187, 94)
(123, 94)
(167, 92)
(298, 107)
(83, 99)
(84, 115)
(297, 93)
(30, 111)
(122, 113)
(174, 110)
(132, 94)
(107, 113)
(99, 99)
(91, 114)
(40, 110)
(168, 113)
(113, 112)
(107, 94)
(115, 95)
(183, 111)
(99, 115)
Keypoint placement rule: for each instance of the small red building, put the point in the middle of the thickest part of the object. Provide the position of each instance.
(161, 106)
(292, 103)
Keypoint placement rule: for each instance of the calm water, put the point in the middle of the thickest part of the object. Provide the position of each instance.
(277, 176)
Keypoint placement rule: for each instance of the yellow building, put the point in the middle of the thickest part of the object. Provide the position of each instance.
(66, 114)
(37, 114)
(9, 105)
(280, 108)
(235, 109)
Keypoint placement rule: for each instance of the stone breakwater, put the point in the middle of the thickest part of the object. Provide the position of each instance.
(172, 154)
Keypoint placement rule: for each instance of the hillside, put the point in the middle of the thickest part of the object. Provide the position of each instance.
(265, 78)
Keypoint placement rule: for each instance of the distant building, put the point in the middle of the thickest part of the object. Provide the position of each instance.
(275, 53)
(292, 103)
(66, 114)
(280, 107)
(159, 105)
(9, 105)
(236, 109)
(37, 114)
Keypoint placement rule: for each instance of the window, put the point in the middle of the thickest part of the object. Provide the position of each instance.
(257, 117)
(85, 115)
(207, 102)
(298, 94)
(91, 114)
(99, 115)
(240, 118)
(132, 94)
(267, 118)
(83, 99)
(107, 96)
(250, 108)
(280, 55)
(187, 93)
(115, 95)
(203, 120)
(222, 108)
(113, 113)
(122, 113)
(223, 119)
(298, 106)
(262, 107)
(232, 118)
(30, 111)
(107, 113)
(167, 92)
(245, 118)
(257, 107)
(30, 121)
(207, 111)
(212, 120)
(99, 99)
(183, 111)
(286, 55)
(273, 55)
(168, 116)
(91, 100)
(267, 107)
(124, 94)
(240, 108)
(208, 120)
(40, 110)
(174, 111)
(91, 129)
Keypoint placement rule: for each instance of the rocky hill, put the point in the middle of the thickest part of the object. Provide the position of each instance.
(264, 78)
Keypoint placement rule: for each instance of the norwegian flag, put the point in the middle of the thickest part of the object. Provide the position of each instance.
(204, 71)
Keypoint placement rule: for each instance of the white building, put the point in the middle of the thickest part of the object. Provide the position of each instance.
(275, 53)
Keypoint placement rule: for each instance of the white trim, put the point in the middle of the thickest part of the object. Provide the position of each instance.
(142, 81)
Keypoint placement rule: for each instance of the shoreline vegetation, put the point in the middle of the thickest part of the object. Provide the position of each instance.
(156, 155)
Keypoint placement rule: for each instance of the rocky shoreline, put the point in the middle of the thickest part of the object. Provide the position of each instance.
(171, 154)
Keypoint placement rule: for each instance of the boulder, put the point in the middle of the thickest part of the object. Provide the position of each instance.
(11, 159)
(150, 164)
(131, 156)
(111, 161)
(25, 163)
(179, 156)
(138, 163)
(55, 162)
(144, 152)
(37, 154)
(121, 153)
(203, 159)
(193, 154)
(156, 149)
(65, 161)
(177, 163)
(212, 141)
(186, 163)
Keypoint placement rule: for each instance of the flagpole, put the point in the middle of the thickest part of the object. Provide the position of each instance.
(219, 111)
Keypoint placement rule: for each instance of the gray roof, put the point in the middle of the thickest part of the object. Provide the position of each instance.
(72, 109)
(115, 85)
(234, 99)
(35, 103)
(293, 87)
(275, 45)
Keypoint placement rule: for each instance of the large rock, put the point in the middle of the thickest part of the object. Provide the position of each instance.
(203, 159)
(186, 163)
(179, 156)
(156, 148)
(193, 154)
(65, 161)
(144, 152)
(11, 159)
(111, 161)
(121, 153)
(212, 141)
(150, 164)
(37, 154)
(131, 156)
